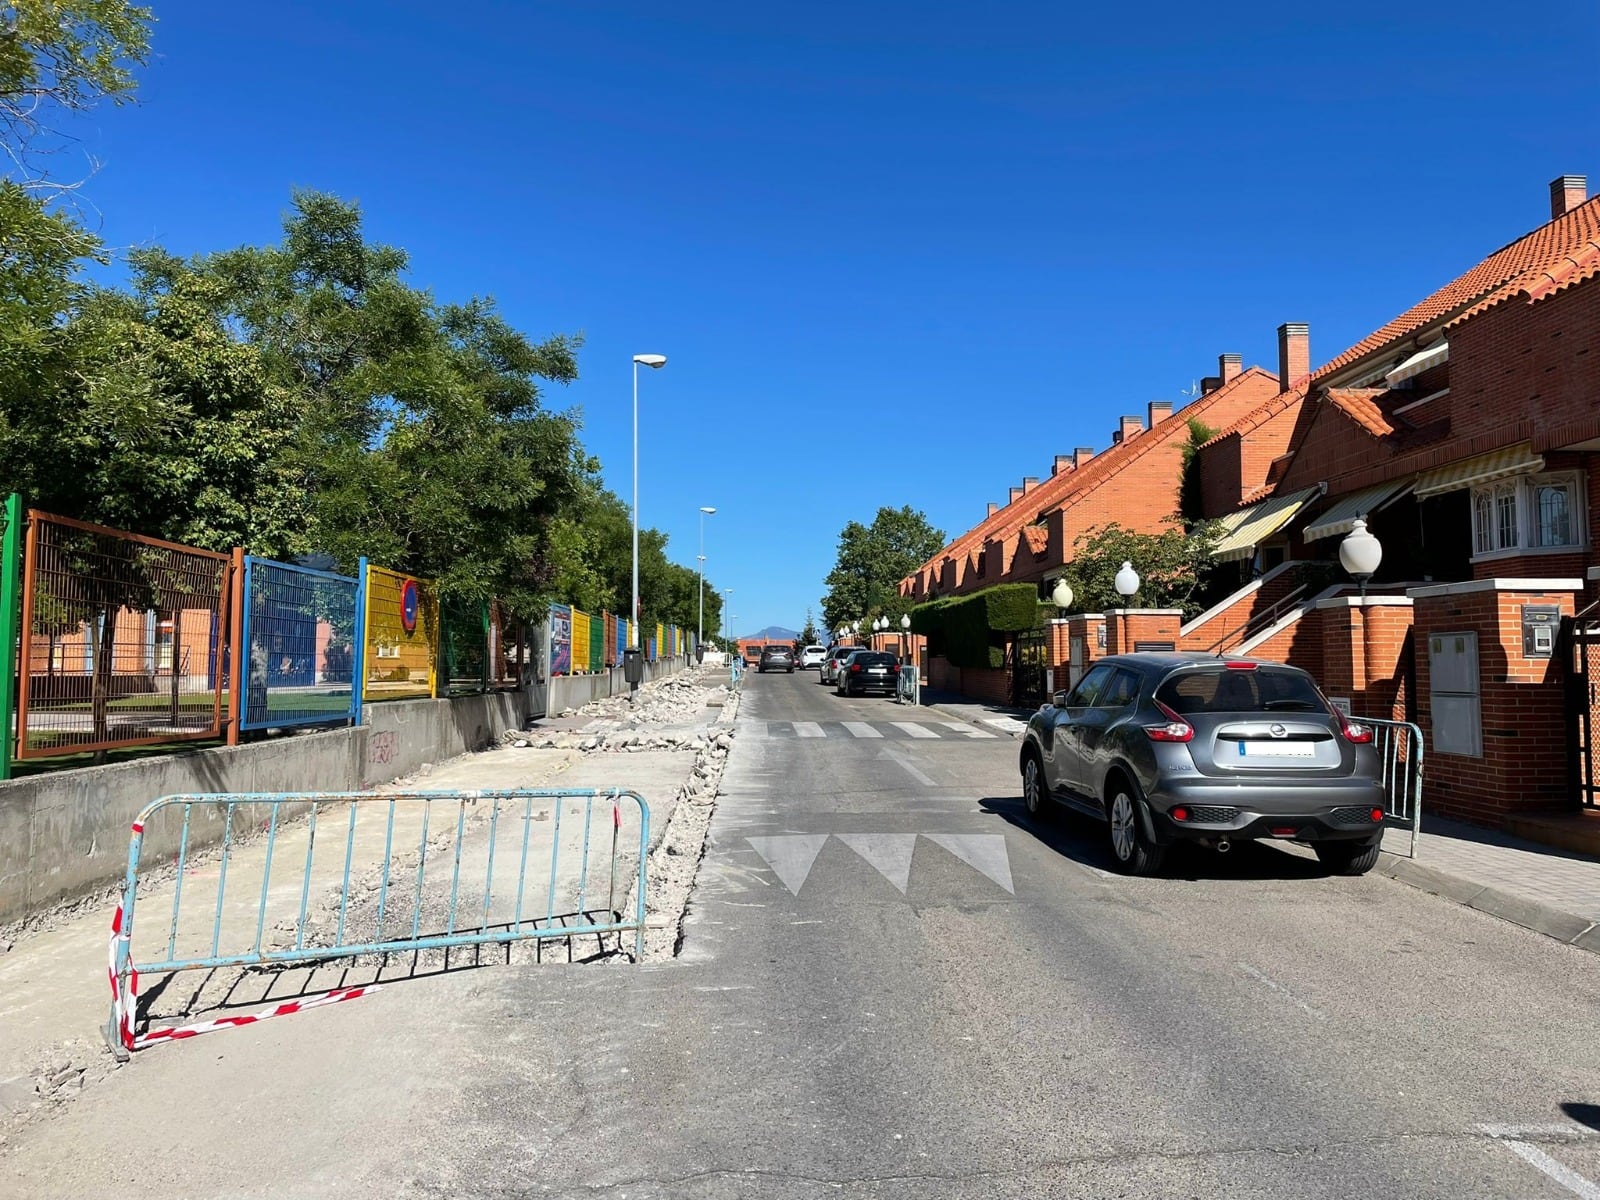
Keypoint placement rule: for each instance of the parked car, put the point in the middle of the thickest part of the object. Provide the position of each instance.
(776, 658)
(1184, 747)
(812, 656)
(869, 671)
(752, 655)
(830, 665)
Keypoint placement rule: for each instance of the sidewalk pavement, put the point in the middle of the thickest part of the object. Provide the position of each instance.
(1548, 890)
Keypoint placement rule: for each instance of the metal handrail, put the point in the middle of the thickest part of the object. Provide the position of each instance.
(1261, 619)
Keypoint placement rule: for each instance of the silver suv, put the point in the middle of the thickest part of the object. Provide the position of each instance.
(836, 656)
(1184, 747)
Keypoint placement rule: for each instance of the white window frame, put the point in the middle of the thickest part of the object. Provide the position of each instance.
(1487, 499)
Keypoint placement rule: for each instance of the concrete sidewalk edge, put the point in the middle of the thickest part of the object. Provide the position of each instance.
(975, 722)
(1568, 928)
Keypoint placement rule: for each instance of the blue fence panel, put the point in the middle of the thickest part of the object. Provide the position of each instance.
(301, 643)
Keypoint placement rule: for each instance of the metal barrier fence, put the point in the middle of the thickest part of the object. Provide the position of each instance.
(562, 874)
(10, 579)
(300, 638)
(908, 687)
(123, 640)
(464, 641)
(400, 648)
(508, 648)
(1399, 748)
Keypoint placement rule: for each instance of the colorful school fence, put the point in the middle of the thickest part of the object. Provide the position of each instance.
(581, 643)
(123, 640)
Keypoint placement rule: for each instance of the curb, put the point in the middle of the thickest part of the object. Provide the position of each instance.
(974, 722)
(1567, 928)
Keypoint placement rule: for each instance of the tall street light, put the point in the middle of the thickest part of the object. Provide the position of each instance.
(656, 362)
(726, 592)
(705, 511)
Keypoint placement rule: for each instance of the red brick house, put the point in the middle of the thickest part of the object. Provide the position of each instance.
(1466, 432)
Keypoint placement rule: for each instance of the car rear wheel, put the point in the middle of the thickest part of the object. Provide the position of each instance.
(1033, 797)
(1134, 852)
(1348, 858)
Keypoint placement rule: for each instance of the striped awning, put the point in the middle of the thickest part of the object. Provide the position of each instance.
(1246, 529)
(1419, 362)
(1339, 518)
(1497, 464)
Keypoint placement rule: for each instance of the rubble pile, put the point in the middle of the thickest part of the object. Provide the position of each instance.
(667, 715)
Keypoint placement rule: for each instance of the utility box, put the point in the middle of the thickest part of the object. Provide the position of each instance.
(1539, 625)
(633, 666)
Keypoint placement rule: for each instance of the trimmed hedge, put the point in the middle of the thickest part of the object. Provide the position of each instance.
(970, 630)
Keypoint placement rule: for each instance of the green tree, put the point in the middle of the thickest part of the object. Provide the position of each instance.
(1172, 566)
(809, 636)
(61, 57)
(871, 562)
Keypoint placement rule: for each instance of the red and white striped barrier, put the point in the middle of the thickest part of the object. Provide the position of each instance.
(125, 1003)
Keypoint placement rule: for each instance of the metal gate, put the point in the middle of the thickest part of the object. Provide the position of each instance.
(1579, 643)
(1028, 667)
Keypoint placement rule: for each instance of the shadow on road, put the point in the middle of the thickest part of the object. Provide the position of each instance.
(1084, 841)
(1583, 1114)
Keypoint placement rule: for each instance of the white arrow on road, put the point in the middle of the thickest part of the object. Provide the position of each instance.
(790, 856)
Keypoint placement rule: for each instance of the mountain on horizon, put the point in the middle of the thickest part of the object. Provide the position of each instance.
(773, 633)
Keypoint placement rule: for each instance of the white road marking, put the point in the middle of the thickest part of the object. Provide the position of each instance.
(790, 856)
(1559, 1172)
(911, 729)
(1561, 1129)
(961, 727)
(808, 729)
(861, 729)
(1009, 724)
(985, 852)
(1260, 977)
(890, 853)
(908, 767)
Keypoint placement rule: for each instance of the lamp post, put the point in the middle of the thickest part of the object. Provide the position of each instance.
(655, 362)
(905, 636)
(1061, 594)
(705, 511)
(1360, 553)
(726, 592)
(1127, 582)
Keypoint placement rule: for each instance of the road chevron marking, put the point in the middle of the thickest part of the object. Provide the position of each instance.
(890, 853)
(790, 856)
(1554, 1170)
(983, 852)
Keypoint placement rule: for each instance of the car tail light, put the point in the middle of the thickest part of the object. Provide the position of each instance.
(1377, 814)
(1179, 814)
(855, 666)
(1175, 730)
(1241, 666)
(1360, 735)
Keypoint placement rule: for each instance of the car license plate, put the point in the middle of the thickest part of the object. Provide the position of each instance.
(874, 670)
(1276, 749)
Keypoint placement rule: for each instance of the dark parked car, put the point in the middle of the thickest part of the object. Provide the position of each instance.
(1183, 747)
(868, 671)
(777, 658)
(830, 665)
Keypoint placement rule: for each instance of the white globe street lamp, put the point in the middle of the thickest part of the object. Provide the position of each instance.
(1360, 553)
(905, 636)
(655, 362)
(1127, 581)
(1061, 594)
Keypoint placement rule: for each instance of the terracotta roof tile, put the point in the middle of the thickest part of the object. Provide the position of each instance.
(1038, 538)
(1360, 405)
(1067, 487)
(1257, 494)
(1526, 264)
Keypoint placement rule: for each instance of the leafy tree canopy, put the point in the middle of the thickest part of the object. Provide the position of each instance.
(872, 560)
(1171, 564)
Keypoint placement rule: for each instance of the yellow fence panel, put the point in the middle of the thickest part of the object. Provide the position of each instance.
(581, 624)
(402, 636)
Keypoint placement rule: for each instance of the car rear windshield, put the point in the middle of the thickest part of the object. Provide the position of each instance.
(1225, 689)
(877, 660)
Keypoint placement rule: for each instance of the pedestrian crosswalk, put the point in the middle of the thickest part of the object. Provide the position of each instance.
(902, 730)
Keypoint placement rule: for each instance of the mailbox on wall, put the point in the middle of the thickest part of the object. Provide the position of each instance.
(1539, 625)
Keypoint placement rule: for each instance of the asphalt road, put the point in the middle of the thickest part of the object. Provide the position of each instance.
(894, 985)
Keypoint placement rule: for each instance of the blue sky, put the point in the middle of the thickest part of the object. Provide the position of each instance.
(895, 252)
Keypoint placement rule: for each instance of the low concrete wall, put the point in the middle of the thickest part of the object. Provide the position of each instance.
(66, 833)
(574, 691)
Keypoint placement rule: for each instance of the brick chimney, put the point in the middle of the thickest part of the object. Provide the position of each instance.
(1229, 365)
(993, 508)
(1029, 482)
(1209, 384)
(1081, 455)
(1126, 428)
(1566, 193)
(1016, 494)
(1294, 353)
(1159, 411)
(1063, 463)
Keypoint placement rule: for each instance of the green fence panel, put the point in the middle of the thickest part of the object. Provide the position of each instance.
(464, 646)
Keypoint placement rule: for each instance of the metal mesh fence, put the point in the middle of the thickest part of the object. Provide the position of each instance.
(508, 648)
(123, 640)
(466, 647)
(402, 636)
(299, 645)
